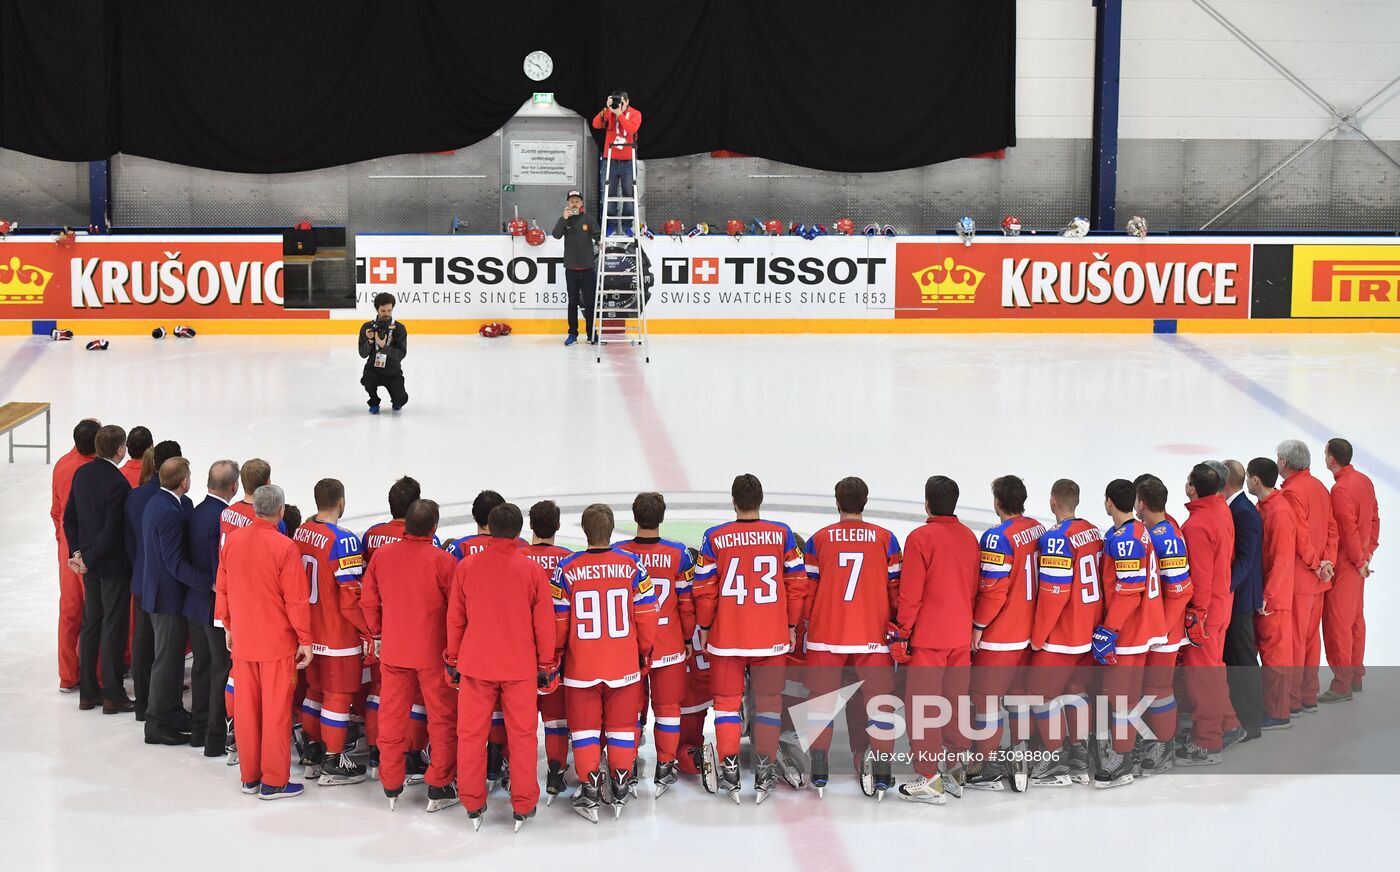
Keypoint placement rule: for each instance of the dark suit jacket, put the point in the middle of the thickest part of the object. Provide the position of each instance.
(93, 519)
(167, 571)
(135, 514)
(1247, 569)
(204, 556)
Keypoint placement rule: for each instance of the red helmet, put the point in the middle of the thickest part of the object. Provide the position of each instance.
(1011, 225)
(734, 227)
(845, 226)
(534, 236)
(494, 329)
(673, 227)
(773, 227)
(517, 226)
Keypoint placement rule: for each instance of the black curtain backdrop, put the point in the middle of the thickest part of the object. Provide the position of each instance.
(265, 86)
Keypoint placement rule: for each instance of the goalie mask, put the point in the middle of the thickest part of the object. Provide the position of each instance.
(967, 229)
(1137, 226)
(1076, 229)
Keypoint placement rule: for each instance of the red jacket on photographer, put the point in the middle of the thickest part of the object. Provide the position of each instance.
(621, 126)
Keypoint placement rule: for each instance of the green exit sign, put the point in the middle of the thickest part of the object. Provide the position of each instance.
(542, 97)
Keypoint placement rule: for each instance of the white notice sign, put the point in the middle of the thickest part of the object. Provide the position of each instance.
(543, 162)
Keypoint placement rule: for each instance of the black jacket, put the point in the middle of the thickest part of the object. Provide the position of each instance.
(1247, 569)
(580, 235)
(94, 520)
(397, 349)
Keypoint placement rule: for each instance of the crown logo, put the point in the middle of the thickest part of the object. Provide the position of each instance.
(22, 284)
(947, 283)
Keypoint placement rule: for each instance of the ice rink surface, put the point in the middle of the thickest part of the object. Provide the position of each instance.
(532, 419)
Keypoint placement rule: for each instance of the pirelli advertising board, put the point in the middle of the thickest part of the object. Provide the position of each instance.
(1346, 281)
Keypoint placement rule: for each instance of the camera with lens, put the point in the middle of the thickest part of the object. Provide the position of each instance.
(615, 99)
(382, 329)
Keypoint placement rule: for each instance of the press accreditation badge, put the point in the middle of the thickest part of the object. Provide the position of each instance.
(380, 358)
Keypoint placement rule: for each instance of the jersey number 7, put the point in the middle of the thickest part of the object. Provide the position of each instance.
(736, 585)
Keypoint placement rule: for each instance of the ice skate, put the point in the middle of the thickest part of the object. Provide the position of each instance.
(1155, 758)
(520, 818)
(1052, 771)
(791, 765)
(709, 772)
(393, 797)
(373, 765)
(553, 782)
(865, 774)
(665, 777)
(955, 779)
(589, 796)
(929, 791)
(883, 778)
(1195, 755)
(230, 744)
(476, 816)
(821, 771)
(313, 758)
(623, 790)
(1078, 762)
(415, 767)
(1114, 769)
(986, 775)
(728, 777)
(495, 765)
(440, 798)
(765, 778)
(339, 769)
(1019, 767)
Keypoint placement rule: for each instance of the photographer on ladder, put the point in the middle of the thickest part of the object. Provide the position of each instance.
(620, 122)
(383, 345)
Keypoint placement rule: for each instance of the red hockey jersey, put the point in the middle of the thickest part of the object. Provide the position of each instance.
(1069, 604)
(605, 614)
(853, 587)
(334, 563)
(547, 556)
(672, 573)
(1132, 589)
(749, 583)
(1005, 604)
(1174, 578)
(473, 543)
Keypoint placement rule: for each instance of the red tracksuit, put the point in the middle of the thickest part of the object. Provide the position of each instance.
(1273, 625)
(70, 584)
(262, 601)
(1308, 589)
(1210, 544)
(1358, 535)
(937, 588)
(404, 599)
(500, 635)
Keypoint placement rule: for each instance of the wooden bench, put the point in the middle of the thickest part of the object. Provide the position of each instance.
(12, 415)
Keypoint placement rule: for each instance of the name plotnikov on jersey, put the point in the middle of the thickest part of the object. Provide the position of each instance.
(749, 537)
(1028, 535)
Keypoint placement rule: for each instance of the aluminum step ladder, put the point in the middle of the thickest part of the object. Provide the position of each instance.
(619, 300)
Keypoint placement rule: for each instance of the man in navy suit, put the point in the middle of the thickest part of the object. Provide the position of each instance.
(1247, 584)
(142, 642)
(211, 656)
(166, 575)
(93, 527)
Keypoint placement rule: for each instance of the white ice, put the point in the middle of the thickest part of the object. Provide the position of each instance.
(529, 418)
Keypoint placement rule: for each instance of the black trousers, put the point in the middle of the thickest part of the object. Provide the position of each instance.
(165, 702)
(581, 285)
(375, 378)
(208, 676)
(106, 604)
(1242, 670)
(142, 653)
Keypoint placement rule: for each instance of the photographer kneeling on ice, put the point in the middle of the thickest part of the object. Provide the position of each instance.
(383, 345)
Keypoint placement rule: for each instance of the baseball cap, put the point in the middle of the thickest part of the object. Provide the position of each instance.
(573, 194)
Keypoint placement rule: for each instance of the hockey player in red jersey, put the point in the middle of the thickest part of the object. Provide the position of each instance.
(1069, 605)
(749, 583)
(544, 524)
(501, 636)
(1209, 532)
(852, 594)
(1001, 632)
(697, 700)
(405, 607)
(1159, 669)
(605, 613)
(497, 763)
(933, 634)
(402, 494)
(1273, 622)
(671, 569)
(1133, 622)
(334, 565)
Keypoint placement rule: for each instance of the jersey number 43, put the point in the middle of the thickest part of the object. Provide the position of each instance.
(736, 585)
